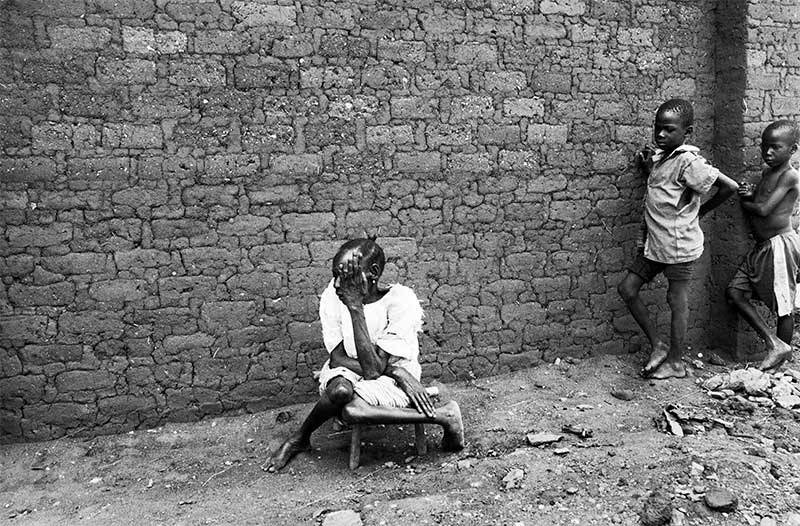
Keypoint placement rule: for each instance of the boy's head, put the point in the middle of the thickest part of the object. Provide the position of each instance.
(372, 257)
(674, 123)
(779, 142)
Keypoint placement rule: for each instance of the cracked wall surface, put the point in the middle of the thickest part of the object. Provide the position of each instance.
(176, 176)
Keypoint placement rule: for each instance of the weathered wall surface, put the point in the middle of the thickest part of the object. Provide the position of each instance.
(177, 174)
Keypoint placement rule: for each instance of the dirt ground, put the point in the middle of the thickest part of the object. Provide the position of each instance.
(211, 472)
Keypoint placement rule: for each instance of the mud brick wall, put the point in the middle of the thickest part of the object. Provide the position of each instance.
(176, 176)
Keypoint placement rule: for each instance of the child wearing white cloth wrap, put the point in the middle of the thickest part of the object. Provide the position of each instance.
(372, 374)
(769, 270)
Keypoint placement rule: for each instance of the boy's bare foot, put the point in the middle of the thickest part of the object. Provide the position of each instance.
(286, 452)
(670, 369)
(776, 356)
(657, 357)
(453, 439)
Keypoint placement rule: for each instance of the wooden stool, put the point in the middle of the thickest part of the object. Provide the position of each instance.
(355, 442)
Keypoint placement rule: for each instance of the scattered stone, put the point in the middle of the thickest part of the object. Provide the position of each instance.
(767, 521)
(720, 499)
(623, 394)
(342, 518)
(580, 432)
(657, 509)
(541, 439)
(561, 450)
(513, 479)
(283, 417)
(793, 519)
(572, 490)
(464, 464)
(716, 359)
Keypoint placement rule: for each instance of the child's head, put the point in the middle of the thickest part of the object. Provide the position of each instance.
(674, 123)
(779, 142)
(372, 256)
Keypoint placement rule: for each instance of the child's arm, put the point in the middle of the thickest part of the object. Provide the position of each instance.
(787, 182)
(726, 187)
(644, 160)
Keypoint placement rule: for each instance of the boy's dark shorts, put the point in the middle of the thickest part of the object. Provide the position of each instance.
(647, 269)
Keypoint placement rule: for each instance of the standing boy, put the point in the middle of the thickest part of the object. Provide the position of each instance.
(678, 177)
(769, 270)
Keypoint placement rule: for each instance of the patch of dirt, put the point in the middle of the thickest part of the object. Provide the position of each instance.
(211, 472)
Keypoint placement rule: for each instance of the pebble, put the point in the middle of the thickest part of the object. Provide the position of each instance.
(623, 394)
(540, 439)
(720, 499)
(342, 518)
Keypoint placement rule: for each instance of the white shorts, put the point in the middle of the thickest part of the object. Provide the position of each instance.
(382, 391)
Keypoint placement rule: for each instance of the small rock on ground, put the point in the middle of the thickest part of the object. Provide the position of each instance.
(720, 499)
(657, 509)
(342, 518)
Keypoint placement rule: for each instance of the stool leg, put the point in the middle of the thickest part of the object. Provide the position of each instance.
(355, 446)
(419, 439)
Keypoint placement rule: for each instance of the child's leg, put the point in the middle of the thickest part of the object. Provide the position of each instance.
(778, 349)
(338, 393)
(448, 416)
(678, 299)
(629, 291)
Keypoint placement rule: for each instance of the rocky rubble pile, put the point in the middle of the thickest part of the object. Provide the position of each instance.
(781, 388)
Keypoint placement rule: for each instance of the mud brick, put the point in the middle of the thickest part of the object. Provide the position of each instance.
(244, 225)
(563, 7)
(27, 169)
(348, 107)
(118, 290)
(402, 134)
(77, 263)
(267, 138)
(387, 76)
(115, 8)
(24, 328)
(422, 162)
(24, 102)
(231, 166)
(132, 136)
(470, 163)
(504, 81)
(226, 102)
(515, 7)
(51, 136)
(198, 260)
(471, 107)
(519, 160)
(15, 131)
(141, 197)
(146, 41)
(293, 46)
(344, 46)
(89, 324)
(458, 134)
(67, 38)
(84, 380)
(545, 31)
(401, 50)
(16, 265)
(569, 210)
(475, 54)
(299, 227)
(159, 105)
(176, 228)
(173, 290)
(29, 296)
(221, 42)
(523, 107)
(326, 18)
(10, 199)
(495, 134)
(226, 315)
(547, 133)
(74, 68)
(414, 107)
(251, 14)
(303, 165)
(195, 11)
(99, 169)
(39, 236)
(442, 26)
(82, 103)
(343, 77)
(268, 73)
(45, 354)
(331, 132)
(384, 20)
(195, 72)
(635, 37)
(28, 387)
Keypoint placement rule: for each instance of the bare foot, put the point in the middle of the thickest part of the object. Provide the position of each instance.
(453, 439)
(286, 452)
(657, 357)
(776, 356)
(669, 370)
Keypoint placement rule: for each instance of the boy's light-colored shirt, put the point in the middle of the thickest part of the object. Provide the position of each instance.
(672, 204)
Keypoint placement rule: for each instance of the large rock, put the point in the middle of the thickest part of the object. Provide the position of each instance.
(720, 499)
(342, 518)
(657, 509)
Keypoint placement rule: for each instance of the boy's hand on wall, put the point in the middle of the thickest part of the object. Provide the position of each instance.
(644, 160)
